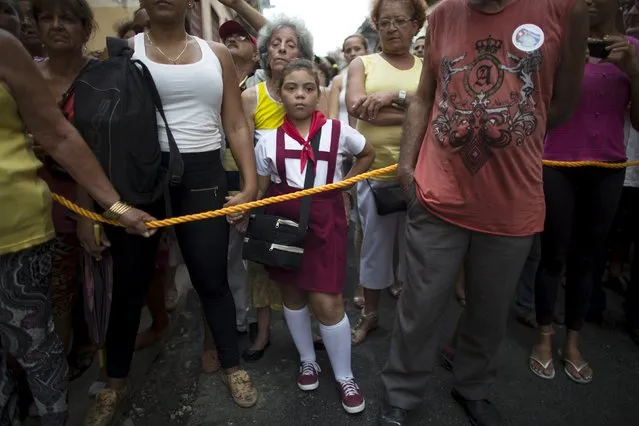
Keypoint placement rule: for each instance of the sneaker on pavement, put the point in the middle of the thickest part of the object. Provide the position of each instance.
(308, 376)
(352, 397)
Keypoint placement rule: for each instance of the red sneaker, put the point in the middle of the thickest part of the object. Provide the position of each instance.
(308, 376)
(352, 397)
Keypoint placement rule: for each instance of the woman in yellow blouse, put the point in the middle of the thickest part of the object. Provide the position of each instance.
(378, 88)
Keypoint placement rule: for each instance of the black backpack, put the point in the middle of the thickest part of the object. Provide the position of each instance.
(116, 115)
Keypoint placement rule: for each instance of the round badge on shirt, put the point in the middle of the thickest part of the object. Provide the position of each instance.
(528, 37)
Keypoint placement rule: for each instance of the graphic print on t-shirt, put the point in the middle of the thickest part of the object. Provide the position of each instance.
(483, 118)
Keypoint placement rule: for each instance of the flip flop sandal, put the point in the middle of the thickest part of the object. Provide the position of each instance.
(577, 379)
(544, 366)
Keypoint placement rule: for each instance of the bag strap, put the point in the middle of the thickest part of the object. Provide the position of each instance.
(121, 47)
(176, 164)
(118, 47)
(309, 182)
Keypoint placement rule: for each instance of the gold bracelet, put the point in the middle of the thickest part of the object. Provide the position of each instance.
(116, 210)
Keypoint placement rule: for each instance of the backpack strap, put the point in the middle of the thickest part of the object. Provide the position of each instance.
(176, 164)
(118, 47)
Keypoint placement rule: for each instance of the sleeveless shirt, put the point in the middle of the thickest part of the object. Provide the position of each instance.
(479, 166)
(192, 99)
(382, 76)
(25, 201)
(269, 114)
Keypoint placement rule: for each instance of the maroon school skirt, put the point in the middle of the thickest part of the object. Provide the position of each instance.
(325, 245)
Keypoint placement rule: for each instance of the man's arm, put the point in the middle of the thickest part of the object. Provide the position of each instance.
(570, 73)
(417, 119)
(45, 121)
(251, 15)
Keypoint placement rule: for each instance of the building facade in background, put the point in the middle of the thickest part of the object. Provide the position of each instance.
(206, 17)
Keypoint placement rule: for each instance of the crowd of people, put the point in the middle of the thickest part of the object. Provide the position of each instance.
(470, 212)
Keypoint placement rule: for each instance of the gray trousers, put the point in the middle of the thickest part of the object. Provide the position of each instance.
(525, 298)
(435, 253)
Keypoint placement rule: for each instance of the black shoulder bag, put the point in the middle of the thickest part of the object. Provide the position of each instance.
(388, 199)
(278, 241)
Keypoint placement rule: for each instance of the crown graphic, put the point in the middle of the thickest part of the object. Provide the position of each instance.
(488, 45)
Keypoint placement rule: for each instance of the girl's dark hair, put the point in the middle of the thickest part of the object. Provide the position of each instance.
(299, 65)
(360, 37)
(79, 9)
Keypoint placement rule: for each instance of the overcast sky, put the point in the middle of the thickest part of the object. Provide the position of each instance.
(330, 21)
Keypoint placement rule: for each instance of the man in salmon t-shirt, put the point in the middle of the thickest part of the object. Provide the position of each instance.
(497, 75)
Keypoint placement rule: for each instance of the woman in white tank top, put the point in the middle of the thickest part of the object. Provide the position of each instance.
(354, 46)
(198, 86)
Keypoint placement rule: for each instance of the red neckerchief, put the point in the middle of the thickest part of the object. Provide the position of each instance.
(317, 121)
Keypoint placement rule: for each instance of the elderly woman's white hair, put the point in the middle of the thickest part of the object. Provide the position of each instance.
(304, 38)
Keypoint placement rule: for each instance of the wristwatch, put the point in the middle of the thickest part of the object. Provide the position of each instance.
(401, 98)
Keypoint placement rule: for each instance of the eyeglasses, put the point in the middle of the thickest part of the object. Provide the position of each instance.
(398, 22)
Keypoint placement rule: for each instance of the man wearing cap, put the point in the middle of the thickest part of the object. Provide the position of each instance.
(243, 48)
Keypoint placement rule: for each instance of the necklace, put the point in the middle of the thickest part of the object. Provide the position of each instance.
(177, 58)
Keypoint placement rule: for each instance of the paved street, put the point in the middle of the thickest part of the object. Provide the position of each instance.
(174, 392)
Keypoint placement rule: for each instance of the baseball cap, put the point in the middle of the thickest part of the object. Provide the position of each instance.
(229, 28)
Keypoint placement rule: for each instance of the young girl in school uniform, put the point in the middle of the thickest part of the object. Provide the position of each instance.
(282, 157)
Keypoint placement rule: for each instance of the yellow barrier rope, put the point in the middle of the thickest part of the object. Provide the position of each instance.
(234, 209)
(302, 193)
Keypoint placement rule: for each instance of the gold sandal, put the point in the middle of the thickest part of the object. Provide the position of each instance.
(105, 407)
(365, 324)
(241, 387)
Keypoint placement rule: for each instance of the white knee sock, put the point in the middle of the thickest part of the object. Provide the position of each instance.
(299, 325)
(337, 339)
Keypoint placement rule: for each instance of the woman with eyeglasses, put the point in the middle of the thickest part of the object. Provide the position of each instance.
(378, 88)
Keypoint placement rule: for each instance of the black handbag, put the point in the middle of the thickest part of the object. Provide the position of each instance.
(277, 241)
(388, 199)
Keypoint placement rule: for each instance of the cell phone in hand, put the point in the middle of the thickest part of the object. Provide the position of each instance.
(597, 49)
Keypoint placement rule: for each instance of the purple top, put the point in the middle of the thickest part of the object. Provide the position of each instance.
(596, 130)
